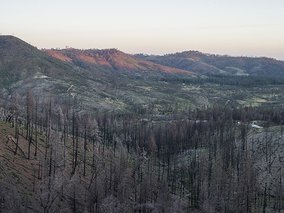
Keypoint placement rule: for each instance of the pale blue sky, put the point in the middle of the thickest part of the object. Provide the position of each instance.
(234, 27)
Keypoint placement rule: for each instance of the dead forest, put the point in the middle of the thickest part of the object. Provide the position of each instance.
(217, 159)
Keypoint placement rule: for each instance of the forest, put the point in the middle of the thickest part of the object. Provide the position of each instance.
(222, 158)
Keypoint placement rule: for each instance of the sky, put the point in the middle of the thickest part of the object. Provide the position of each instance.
(231, 27)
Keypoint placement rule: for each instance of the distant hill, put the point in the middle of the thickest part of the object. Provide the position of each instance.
(201, 63)
(112, 80)
(99, 79)
(111, 59)
(190, 62)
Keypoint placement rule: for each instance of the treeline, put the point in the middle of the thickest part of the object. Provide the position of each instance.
(195, 161)
(231, 80)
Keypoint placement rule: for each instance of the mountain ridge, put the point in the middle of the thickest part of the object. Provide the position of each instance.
(186, 62)
(112, 59)
(179, 63)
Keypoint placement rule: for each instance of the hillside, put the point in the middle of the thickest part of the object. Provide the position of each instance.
(20, 61)
(24, 67)
(111, 59)
(95, 85)
(201, 63)
(112, 80)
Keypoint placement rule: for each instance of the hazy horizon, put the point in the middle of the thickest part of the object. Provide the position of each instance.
(236, 28)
